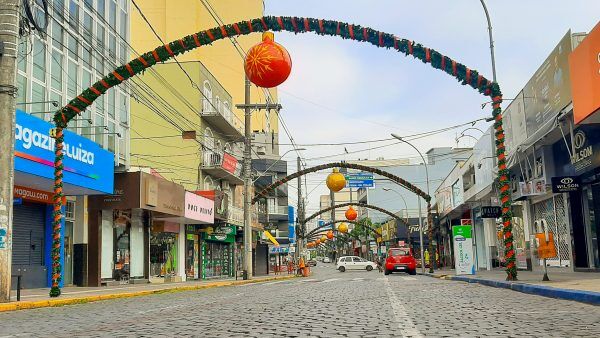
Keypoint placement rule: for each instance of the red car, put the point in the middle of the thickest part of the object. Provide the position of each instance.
(400, 259)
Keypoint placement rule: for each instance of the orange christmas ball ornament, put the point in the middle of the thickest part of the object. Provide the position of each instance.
(335, 181)
(330, 234)
(268, 64)
(343, 228)
(351, 214)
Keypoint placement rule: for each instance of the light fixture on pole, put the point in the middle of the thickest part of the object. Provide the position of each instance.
(419, 200)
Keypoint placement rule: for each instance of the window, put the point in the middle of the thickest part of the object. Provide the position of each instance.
(100, 35)
(123, 109)
(72, 79)
(74, 14)
(456, 194)
(123, 56)
(112, 14)
(111, 146)
(22, 88)
(208, 183)
(124, 22)
(356, 259)
(112, 45)
(86, 55)
(59, 7)
(399, 252)
(99, 130)
(207, 101)
(87, 27)
(57, 35)
(70, 209)
(73, 46)
(110, 107)
(343, 259)
(38, 94)
(89, 3)
(86, 79)
(23, 51)
(101, 8)
(56, 71)
(39, 60)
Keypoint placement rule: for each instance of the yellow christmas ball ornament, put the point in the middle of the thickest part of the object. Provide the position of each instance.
(343, 228)
(336, 181)
(323, 239)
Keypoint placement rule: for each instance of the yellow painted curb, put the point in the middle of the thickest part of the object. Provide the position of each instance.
(82, 300)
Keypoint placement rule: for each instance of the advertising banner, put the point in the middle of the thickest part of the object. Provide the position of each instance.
(584, 64)
(86, 164)
(291, 224)
(463, 248)
(549, 89)
(229, 163)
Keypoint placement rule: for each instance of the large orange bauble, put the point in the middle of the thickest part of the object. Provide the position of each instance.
(335, 181)
(351, 214)
(268, 64)
(330, 234)
(343, 228)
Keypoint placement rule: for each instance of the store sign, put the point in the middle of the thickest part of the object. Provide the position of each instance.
(33, 195)
(225, 230)
(279, 249)
(565, 184)
(584, 64)
(229, 163)
(219, 237)
(291, 225)
(582, 158)
(162, 195)
(199, 208)
(86, 164)
(491, 212)
(463, 248)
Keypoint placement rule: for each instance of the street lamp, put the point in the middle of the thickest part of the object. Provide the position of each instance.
(489, 22)
(274, 163)
(419, 200)
(403, 199)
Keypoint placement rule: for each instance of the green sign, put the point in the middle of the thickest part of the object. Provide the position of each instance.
(462, 230)
(225, 230)
(219, 237)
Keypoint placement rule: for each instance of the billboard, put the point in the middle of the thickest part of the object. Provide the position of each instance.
(584, 64)
(549, 89)
(463, 248)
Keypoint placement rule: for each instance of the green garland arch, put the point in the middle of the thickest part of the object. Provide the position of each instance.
(462, 73)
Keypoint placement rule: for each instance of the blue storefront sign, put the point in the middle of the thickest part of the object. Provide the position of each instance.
(291, 224)
(359, 180)
(88, 168)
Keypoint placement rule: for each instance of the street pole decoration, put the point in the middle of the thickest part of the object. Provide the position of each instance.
(364, 205)
(462, 73)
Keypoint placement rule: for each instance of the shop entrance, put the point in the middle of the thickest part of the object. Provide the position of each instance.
(217, 259)
(591, 208)
(28, 249)
(68, 252)
(163, 254)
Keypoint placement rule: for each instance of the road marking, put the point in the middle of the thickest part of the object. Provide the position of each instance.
(357, 279)
(408, 278)
(330, 280)
(277, 282)
(405, 323)
(308, 280)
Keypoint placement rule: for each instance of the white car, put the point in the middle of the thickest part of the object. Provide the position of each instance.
(354, 263)
(326, 260)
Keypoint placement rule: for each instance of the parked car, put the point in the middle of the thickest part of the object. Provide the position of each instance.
(402, 260)
(354, 263)
(311, 262)
(326, 260)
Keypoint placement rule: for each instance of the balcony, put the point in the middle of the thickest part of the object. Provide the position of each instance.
(272, 213)
(222, 166)
(264, 181)
(223, 119)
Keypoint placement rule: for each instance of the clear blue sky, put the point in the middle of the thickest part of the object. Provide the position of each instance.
(344, 91)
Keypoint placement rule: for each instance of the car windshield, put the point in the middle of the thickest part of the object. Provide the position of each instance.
(399, 252)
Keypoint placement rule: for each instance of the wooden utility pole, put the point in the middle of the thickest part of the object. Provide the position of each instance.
(9, 38)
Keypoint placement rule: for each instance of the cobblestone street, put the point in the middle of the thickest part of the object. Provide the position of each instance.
(328, 304)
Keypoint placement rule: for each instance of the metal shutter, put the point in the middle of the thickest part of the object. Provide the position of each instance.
(28, 234)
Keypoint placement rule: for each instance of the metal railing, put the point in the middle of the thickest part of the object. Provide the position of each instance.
(212, 158)
(223, 110)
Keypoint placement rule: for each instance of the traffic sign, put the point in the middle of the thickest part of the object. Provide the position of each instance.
(359, 180)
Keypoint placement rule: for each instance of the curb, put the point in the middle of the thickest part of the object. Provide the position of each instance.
(89, 299)
(588, 297)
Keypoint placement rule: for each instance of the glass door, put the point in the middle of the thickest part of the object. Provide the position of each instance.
(68, 252)
(591, 205)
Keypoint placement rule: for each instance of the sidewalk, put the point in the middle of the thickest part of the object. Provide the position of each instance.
(36, 298)
(564, 284)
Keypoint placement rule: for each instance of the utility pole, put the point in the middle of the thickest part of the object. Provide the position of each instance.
(332, 201)
(9, 36)
(247, 183)
(247, 172)
(299, 246)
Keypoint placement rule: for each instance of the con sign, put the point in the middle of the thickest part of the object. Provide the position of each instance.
(565, 184)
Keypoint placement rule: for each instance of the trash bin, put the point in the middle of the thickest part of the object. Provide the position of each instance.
(305, 272)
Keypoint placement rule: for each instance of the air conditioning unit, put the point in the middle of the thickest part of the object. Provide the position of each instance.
(261, 150)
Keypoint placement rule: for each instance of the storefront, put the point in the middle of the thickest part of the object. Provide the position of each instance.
(88, 170)
(199, 214)
(135, 235)
(217, 253)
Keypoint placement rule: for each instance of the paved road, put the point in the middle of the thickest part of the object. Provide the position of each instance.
(329, 304)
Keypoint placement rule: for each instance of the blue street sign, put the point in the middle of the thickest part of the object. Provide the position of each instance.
(17, 201)
(359, 180)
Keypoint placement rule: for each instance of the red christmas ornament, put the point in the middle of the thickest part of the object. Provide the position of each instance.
(330, 234)
(351, 214)
(268, 63)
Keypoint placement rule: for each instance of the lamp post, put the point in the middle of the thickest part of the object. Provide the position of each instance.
(419, 200)
(489, 22)
(403, 199)
(264, 173)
